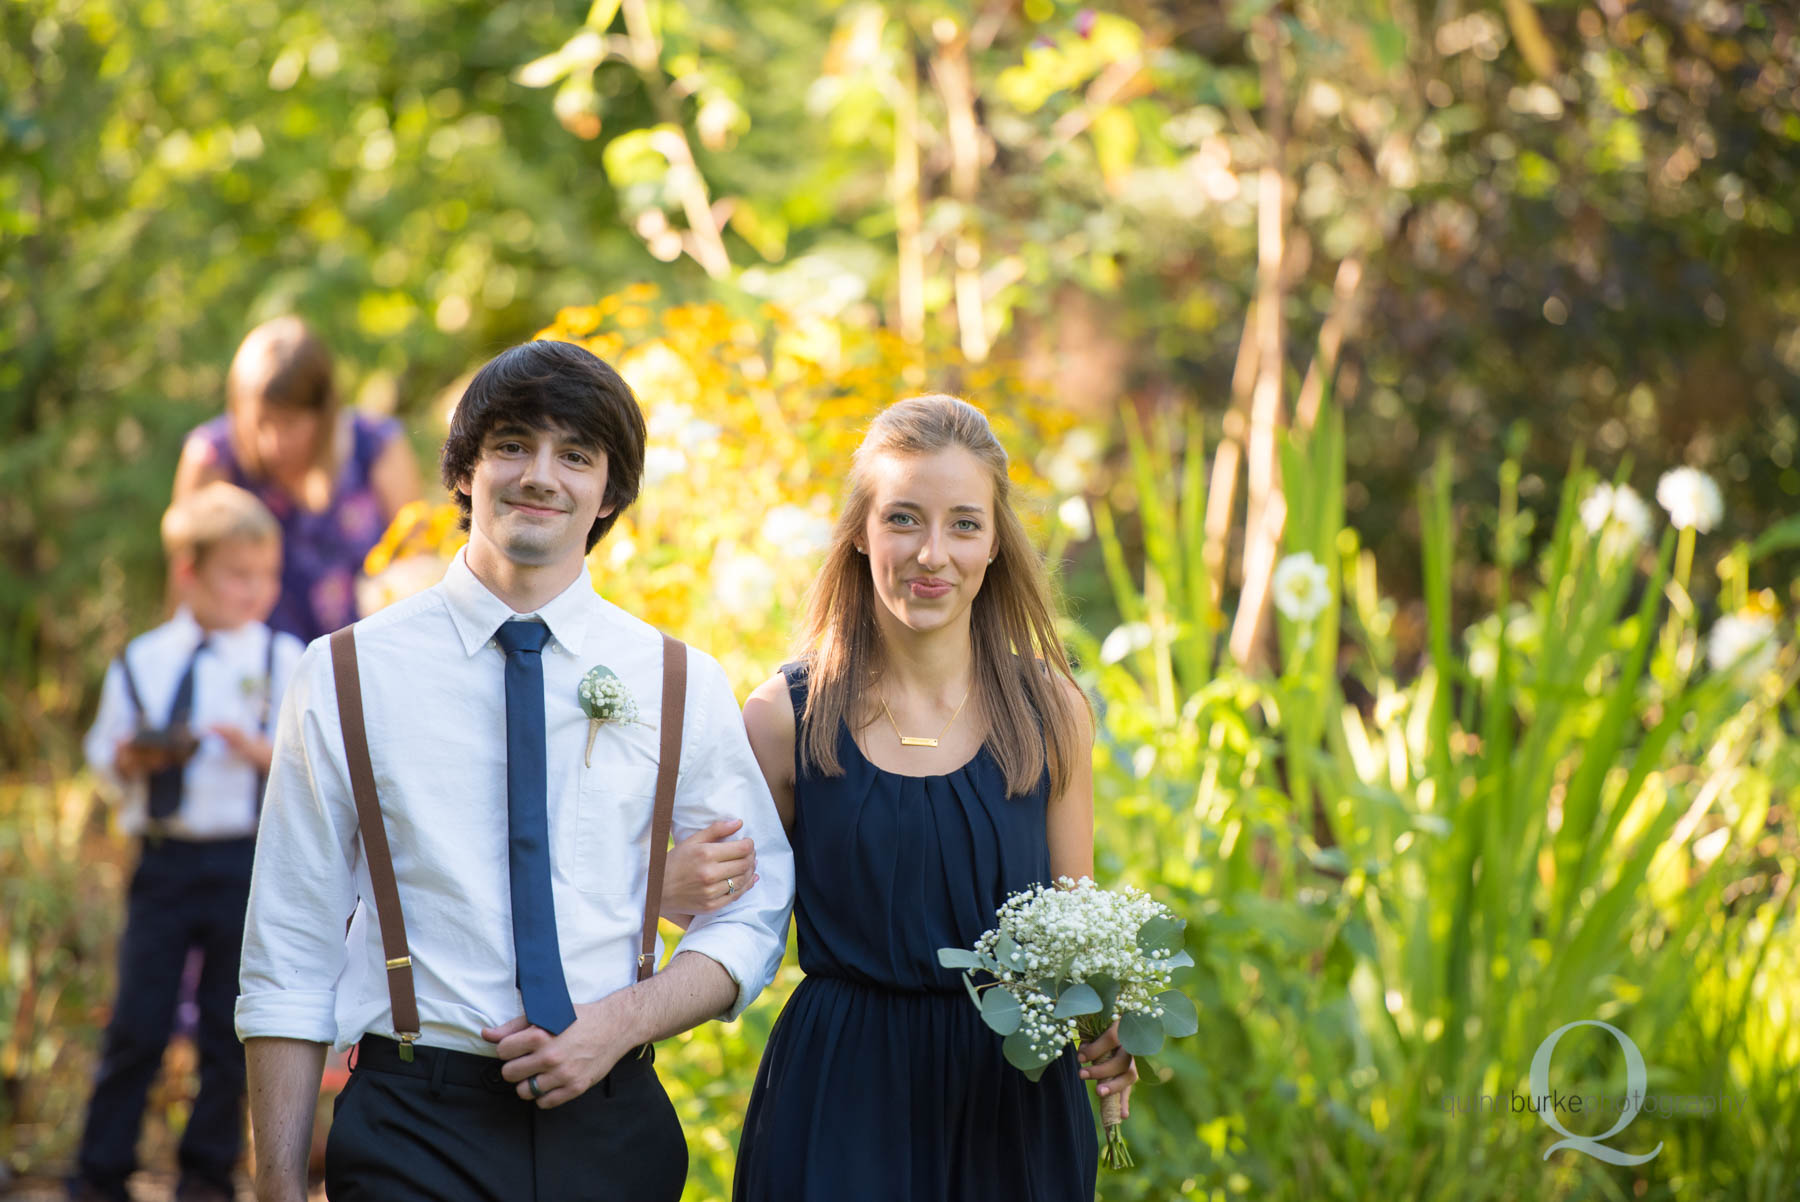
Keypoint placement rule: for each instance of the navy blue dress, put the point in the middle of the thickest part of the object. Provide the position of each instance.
(880, 1082)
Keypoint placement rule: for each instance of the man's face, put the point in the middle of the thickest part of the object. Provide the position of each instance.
(534, 494)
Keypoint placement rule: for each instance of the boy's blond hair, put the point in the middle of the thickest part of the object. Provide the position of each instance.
(213, 514)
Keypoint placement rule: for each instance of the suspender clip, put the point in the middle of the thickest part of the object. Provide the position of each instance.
(406, 1042)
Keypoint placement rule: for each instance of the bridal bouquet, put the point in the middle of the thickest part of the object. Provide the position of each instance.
(1067, 961)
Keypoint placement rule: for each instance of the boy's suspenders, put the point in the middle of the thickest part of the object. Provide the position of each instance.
(131, 689)
(268, 708)
(401, 998)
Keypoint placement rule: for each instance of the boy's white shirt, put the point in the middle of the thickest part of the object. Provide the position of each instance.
(219, 787)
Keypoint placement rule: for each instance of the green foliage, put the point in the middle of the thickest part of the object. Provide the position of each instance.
(1394, 902)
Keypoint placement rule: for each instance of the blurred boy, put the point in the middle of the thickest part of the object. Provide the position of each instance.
(182, 735)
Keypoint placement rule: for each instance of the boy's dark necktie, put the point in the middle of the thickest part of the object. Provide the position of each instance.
(540, 973)
(166, 783)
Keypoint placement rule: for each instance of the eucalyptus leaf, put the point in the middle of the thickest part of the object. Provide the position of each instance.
(1107, 988)
(957, 957)
(1021, 1055)
(1008, 951)
(1179, 1018)
(1140, 1034)
(1161, 934)
(974, 993)
(1076, 1001)
(1000, 1010)
(1180, 959)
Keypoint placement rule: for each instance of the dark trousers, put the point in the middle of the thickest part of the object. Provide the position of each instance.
(448, 1128)
(183, 895)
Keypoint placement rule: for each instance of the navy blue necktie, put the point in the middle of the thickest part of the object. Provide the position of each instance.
(540, 973)
(166, 783)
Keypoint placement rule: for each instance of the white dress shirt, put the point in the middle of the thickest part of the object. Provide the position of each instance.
(434, 700)
(231, 688)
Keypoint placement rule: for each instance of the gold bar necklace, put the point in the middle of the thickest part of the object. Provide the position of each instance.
(922, 740)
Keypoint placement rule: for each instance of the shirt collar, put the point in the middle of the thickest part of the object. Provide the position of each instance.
(192, 635)
(477, 613)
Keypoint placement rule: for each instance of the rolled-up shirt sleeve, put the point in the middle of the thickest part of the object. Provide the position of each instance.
(303, 886)
(720, 778)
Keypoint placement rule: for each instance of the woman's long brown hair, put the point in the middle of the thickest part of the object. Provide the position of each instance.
(1020, 664)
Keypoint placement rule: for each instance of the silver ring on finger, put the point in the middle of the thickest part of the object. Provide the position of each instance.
(531, 1083)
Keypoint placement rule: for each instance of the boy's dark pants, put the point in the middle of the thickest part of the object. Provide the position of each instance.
(183, 895)
(447, 1127)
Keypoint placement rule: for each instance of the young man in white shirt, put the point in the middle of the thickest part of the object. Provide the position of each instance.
(181, 736)
(545, 451)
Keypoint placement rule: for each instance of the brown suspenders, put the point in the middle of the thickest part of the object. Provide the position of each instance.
(401, 998)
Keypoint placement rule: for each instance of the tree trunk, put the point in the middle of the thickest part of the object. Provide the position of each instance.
(1221, 493)
(1265, 509)
(704, 241)
(955, 79)
(908, 218)
(1339, 322)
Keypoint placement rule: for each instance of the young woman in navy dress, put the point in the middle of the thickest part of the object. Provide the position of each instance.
(930, 753)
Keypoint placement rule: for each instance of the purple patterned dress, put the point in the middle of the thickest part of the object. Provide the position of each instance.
(321, 553)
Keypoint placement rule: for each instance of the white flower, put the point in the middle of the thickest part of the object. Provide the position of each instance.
(791, 528)
(742, 583)
(604, 697)
(1745, 637)
(668, 420)
(1133, 636)
(621, 551)
(697, 434)
(1073, 461)
(660, 463)
(1302, 587)
(1073, 514)
(1619, 506)
(1692, 499)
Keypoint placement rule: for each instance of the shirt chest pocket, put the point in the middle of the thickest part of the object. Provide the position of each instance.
(612, 838)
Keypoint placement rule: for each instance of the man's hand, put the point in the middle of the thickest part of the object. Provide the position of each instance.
(567, 1065)
(707, 870)
(692, 988)
(1109, 1066)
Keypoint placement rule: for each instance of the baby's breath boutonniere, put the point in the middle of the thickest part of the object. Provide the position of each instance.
(604, 698)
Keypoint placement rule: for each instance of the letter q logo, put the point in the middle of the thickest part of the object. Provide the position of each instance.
(1636, 1078)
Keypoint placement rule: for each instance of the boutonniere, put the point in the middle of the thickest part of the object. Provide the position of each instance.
(604, 698)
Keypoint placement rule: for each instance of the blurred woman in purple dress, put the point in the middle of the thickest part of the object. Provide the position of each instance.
(333, 478)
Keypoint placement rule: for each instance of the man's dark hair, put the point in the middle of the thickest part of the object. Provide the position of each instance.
(543, 384)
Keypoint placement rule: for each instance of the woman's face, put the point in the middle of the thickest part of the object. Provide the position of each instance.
(929, 535)
(285, 439)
